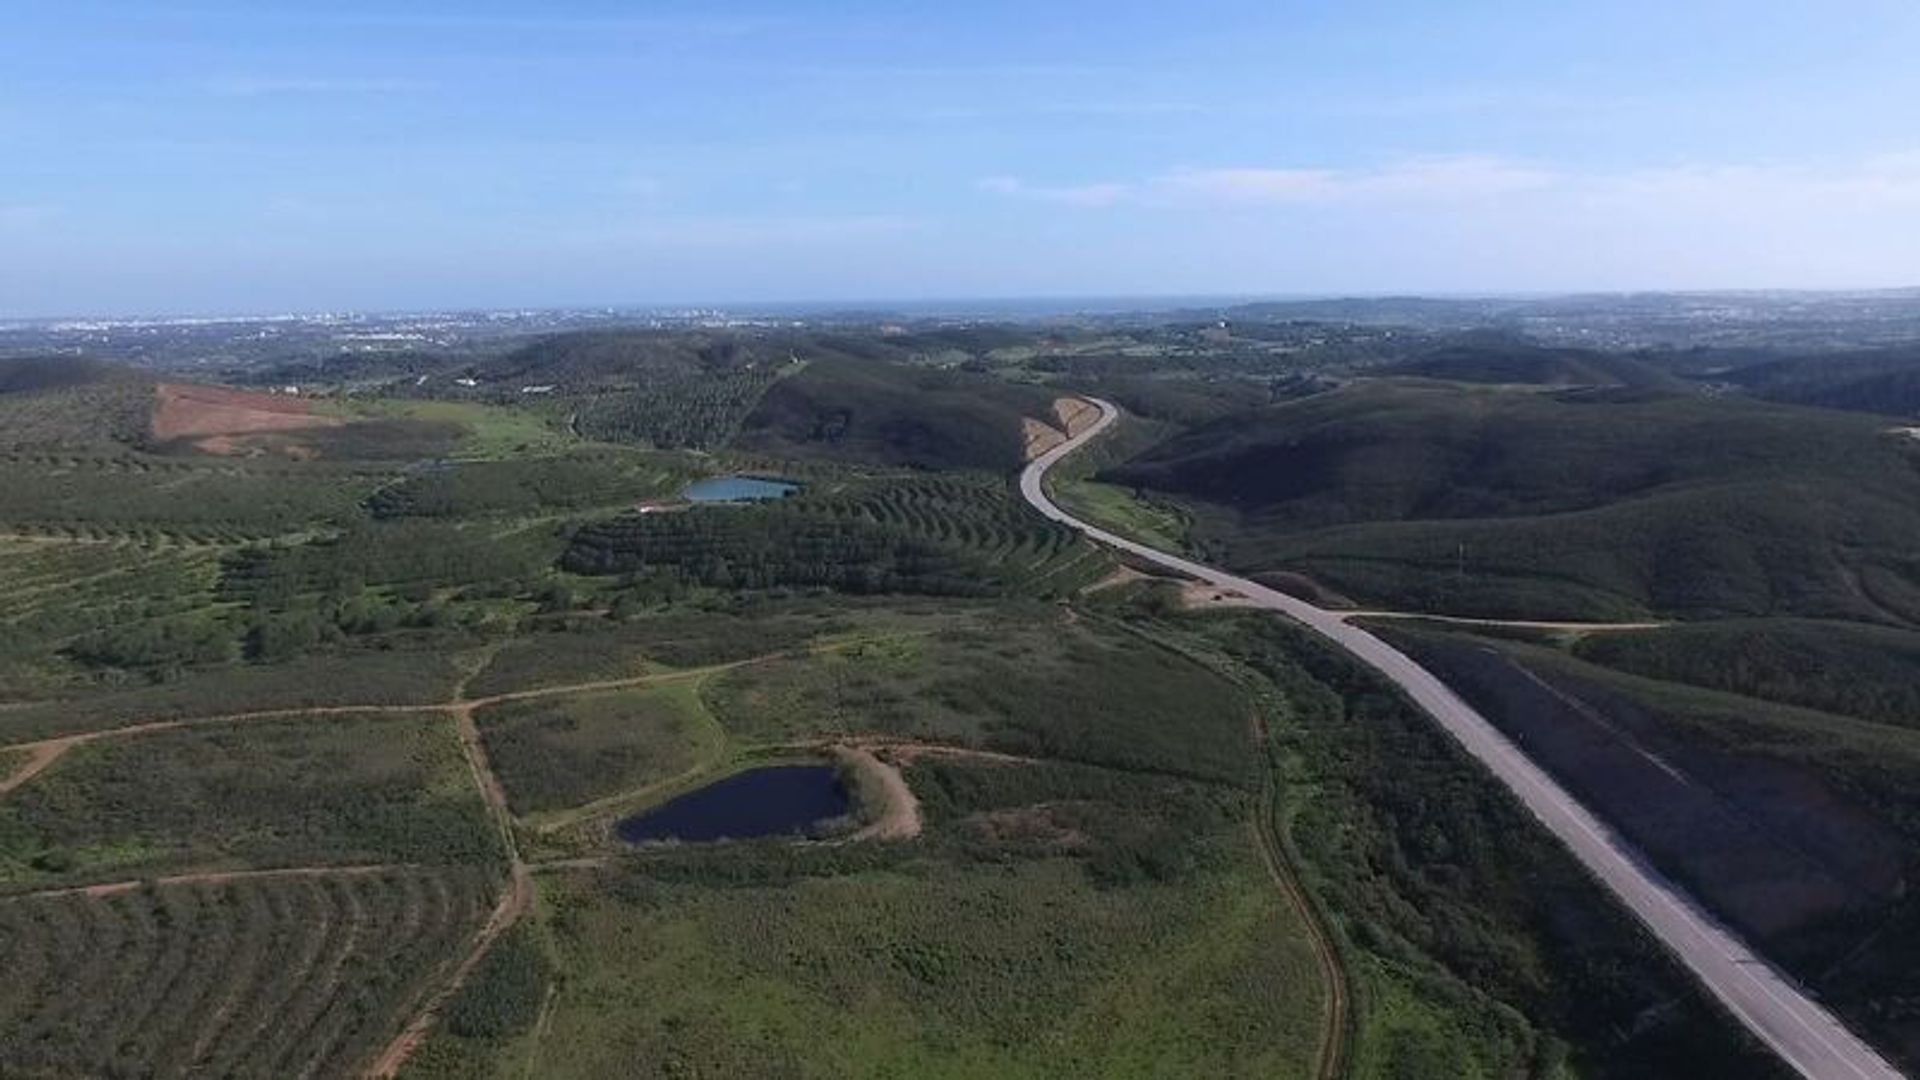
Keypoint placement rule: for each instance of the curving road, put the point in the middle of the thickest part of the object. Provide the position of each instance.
(1762, 997)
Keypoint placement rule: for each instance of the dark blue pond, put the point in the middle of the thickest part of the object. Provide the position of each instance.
(726, 489)
(779, 800)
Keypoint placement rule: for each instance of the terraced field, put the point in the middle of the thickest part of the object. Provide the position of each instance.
(939, 535)
(56, 595)
(296, 976)
(979, 515)
(161, 499)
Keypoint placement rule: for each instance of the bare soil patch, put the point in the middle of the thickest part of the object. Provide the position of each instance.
(212, 416)
(1199, 595)
(1071, 416)
(898, 816)
(1042, 826)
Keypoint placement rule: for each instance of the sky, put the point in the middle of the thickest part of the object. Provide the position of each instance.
(199, 156)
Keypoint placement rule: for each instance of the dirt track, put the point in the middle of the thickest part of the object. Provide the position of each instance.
(899, 819)
(218, 877)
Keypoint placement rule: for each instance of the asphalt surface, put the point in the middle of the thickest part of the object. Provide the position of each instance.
(1763, 998)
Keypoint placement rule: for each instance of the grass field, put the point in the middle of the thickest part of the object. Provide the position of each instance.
(305, 791)
(558, 752)
(1025, 940)
(1124, 511)
(1027, 680)
(486, 431)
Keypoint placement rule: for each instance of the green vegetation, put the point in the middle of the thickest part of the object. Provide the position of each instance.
(1478, 947)
(1578, 504)
(1796, 827)
(1128, 512)
(268, 977)
(877, 413)
(1057, 922)
(555, 752)
(578, 481)
(470, 429)
(66, 608)
(504, 995)
(1089, 894)
(1872, 380)
(332, 790)
(1022, 680)
(1865, 671)
(1500, 361)
(405, 673)
(943, 536)
(164, 500)
(69, 402)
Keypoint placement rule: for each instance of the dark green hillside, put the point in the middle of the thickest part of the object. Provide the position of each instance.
(29, 374)
(1880, 380)
(1519, 363)
(886, 414)
(615, 356)
(1796, 827)
(1869, 672)
(1178, 400)
(1578, 503)
(71, 402)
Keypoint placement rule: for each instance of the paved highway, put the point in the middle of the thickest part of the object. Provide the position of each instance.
(1762, 997)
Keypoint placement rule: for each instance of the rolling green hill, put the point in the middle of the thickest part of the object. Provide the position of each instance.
(878, 413)
(71, 402)
(1878, 380)
(1580, 503)
(1523, 364)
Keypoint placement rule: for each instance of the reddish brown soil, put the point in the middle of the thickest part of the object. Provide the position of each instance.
(192, 411)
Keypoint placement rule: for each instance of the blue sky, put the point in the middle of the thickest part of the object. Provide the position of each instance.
(199, 156)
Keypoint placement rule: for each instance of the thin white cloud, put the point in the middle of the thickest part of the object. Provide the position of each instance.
(1884, 180)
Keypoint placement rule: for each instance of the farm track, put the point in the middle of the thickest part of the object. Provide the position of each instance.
(43, 753)
(1277, 858)
(216, 877)
(515, 901)
(1338, 1029)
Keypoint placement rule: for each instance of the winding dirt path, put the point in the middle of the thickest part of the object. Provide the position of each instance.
(515, 901)
(40, 756)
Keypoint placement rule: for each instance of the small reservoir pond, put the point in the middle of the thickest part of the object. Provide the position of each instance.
(732, 489)
(778, 800)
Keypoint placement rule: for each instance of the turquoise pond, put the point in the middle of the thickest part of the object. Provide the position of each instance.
(730, 489)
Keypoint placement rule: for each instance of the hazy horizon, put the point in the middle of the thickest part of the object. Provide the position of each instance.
(296, 157)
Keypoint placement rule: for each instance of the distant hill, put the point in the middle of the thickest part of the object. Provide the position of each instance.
(881, 413)
(72, 402)
(31, 374)
(1879, 380)
(1517, 363)
(1571, 503)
